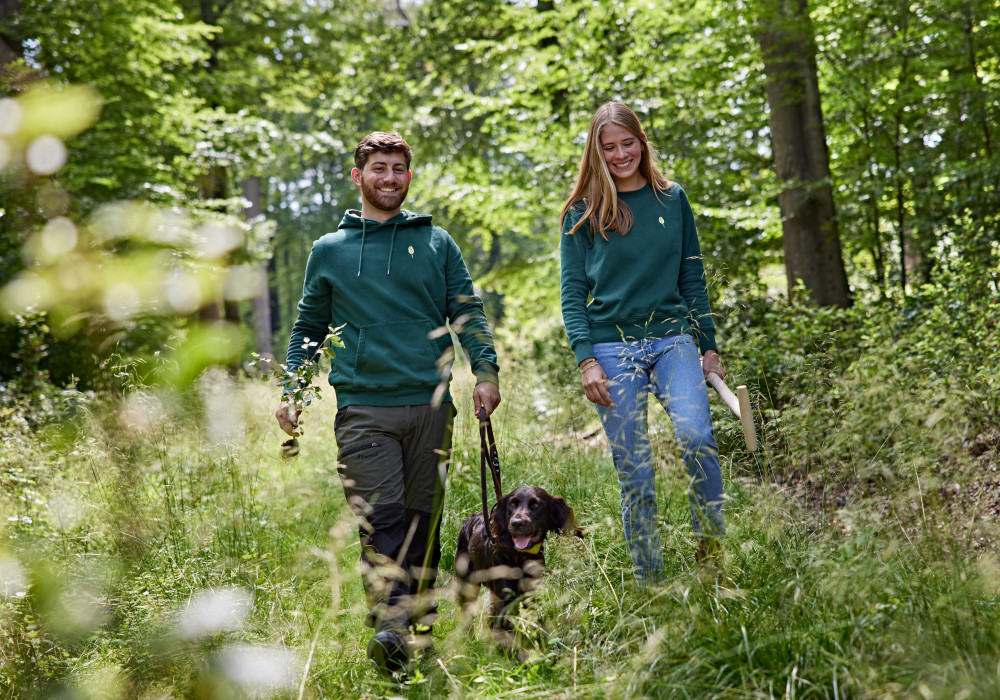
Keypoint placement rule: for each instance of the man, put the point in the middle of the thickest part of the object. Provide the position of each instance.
(393, 283)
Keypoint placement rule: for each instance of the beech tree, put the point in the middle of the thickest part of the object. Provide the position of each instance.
(913, 101)
(810, 238)
(850, 139)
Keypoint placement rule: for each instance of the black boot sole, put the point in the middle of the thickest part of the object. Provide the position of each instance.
(387, 650)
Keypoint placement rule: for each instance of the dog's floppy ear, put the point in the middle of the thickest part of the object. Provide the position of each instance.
(563, 517)
(498, 517)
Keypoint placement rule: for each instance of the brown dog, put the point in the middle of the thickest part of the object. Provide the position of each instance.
(519, 522)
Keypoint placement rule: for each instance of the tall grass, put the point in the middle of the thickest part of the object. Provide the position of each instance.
(159, 546)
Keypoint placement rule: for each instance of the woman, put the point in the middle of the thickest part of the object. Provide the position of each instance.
(629, 243)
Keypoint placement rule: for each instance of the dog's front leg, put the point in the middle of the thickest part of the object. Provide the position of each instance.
(501, 621)
(504, 605)
(467, 582)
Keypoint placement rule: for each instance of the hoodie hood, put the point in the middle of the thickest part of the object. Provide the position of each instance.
(353, 221)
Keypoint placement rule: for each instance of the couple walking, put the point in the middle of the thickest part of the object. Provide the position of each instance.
(636, 311)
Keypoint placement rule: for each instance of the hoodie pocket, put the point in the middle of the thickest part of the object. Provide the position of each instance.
(397, 354)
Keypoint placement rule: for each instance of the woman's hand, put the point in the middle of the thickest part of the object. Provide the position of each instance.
(595, 382)
(711, 362)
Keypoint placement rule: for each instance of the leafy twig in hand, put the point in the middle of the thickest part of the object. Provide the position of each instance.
(297, 384)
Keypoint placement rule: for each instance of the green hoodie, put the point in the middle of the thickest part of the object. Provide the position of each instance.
(394, 288)
(649, 283)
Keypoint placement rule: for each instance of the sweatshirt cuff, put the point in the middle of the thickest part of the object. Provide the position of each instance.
(487, 374)
(706, 341)
(583, 350)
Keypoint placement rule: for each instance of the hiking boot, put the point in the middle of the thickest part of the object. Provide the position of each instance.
(388, 650)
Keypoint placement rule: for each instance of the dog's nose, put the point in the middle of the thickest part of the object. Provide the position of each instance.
(518, 520)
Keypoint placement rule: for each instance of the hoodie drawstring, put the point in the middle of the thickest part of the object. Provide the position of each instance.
(392, 244)
(361, 255)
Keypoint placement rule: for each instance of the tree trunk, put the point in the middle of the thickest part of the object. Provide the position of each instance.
(801, 160)
(559, 97)
(262, 301)
(897, 151)
(9, 50)
(213, 185)
(877, 250)
(979, 101)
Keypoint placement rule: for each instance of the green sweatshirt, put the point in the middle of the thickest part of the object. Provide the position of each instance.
(649, 283)
(394, 287)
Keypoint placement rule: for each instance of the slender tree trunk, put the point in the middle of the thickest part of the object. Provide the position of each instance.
(979, 106)
(559, 97)
(801, 160)
(213, 185)
(878, 254)
(877, 249)
(979, 102)
(7, 54)
(8, 44)
(924, 237)
(262, 300)
(404, 18)
(897, 150)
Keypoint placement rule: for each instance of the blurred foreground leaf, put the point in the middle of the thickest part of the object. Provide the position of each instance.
(58, 110)
(204, 346)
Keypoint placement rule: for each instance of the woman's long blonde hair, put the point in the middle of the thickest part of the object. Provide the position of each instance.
(594, 184)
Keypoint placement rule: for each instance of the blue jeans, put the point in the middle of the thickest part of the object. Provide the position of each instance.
(670, 369)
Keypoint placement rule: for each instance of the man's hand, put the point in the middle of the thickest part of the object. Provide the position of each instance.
(711, 362)
(288, 418)
(485, 395)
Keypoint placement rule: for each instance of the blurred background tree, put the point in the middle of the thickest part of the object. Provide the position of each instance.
(245, 114)
(165, 166)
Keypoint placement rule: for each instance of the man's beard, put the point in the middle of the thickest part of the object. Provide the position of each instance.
(384, 201)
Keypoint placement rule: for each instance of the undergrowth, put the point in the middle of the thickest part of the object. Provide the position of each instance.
(157, 545)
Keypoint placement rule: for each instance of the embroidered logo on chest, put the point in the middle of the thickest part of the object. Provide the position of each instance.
(410, 251)
(661, 221)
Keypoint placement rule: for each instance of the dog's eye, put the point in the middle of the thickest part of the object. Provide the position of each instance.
(534, 505)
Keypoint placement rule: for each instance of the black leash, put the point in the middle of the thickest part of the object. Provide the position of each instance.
(488, 456)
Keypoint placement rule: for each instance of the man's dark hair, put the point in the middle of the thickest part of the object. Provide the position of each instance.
(381, 142)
